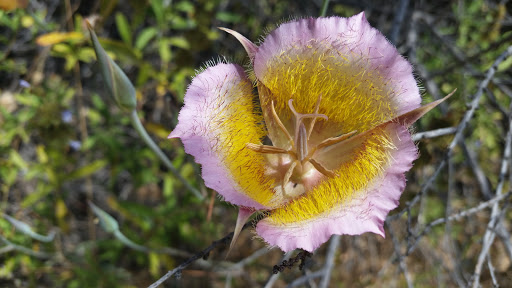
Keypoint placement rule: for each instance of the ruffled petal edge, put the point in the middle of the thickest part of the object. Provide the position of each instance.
(364, 214)
(197, 131)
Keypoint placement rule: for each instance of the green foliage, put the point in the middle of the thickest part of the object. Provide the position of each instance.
(58, 171)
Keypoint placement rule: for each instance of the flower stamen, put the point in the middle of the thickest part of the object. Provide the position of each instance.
(329, 142)
(322, 169)
(317, 107)
(266, 149)
(299, 146)
(287, 176)
(280, 124)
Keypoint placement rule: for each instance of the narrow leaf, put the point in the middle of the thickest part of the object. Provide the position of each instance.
(180, 42)
(145, 36)
(58, 37)
(86, 170)
(124, 28)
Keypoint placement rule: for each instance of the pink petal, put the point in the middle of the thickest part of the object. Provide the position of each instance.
(249, 47)
(407, 119)
(354, 50)
(365, 213)
(214, 126)
(243, 215)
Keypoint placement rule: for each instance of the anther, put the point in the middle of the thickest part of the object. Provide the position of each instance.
(287, 176)
(299, 117)
(280, 124)
(329, 142)
(266, 149)
(317, 107)
(320, 168)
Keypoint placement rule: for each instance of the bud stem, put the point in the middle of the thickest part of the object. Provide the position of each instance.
(147, 139)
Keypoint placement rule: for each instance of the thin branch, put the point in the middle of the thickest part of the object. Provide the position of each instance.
(460, 130)
(329, 262)
(489, 234)
(6, 248)
(449, 247)
(505, 237)
(491, 271)
(202, 254)
(275, 276)
(161, 155)
(257, 254)
(482, 180)
(400, 256)
(325, 5)
(434, 133)
(398, 20)
(304, 279)
(475, 103)
(456, 217)
(412, 42)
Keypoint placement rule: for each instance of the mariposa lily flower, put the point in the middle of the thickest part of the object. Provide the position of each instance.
(324, 147)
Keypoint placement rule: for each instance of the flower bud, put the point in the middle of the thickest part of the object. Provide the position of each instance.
(120, 87)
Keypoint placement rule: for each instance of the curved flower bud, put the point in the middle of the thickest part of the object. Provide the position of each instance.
(337, 100)
(119, 86)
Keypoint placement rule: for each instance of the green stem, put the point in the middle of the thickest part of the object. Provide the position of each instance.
(142, 132)
(324, 8)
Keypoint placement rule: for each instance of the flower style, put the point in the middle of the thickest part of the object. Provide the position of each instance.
(335, 102)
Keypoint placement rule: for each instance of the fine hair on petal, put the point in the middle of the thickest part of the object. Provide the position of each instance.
(367, 164)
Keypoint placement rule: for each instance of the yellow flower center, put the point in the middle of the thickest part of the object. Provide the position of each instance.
(302, 157)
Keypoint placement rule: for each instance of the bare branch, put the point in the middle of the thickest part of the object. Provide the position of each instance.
(329, 262)
(505, 163)
(434, 133)
(275, 276)
(202, 254)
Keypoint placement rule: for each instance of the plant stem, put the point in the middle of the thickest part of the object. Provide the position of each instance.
(142, 132)
(324, 8)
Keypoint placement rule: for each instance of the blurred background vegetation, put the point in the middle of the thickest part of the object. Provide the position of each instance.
(63, 143)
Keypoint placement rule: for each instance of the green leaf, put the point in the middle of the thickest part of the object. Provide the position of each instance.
(70, 62)
(180, 42)
(86, 170)
(53, 38)
(228, 17)
(505, 65)
(159, 11)
(86, 54)
(185, 6)
(163, 49)
(18, 160)
(154, 264)
(32, 198)
(144, 37)
(124, 28)
(119, 50)
(28, 99)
